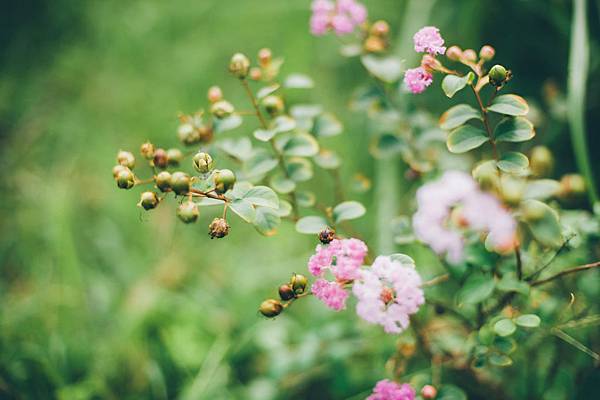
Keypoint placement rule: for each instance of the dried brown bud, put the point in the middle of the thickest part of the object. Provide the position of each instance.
(326, 235)
(147, 150)
(286, 292)
(218, 228)
(161, 160)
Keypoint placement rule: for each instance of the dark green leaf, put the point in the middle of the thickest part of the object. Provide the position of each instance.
(500, 360)
(476, 289)
(267, 220)
(513, 162)
(262, 196)
(509, 104)
(458, 115)
(452, 83)
(517, 129)
(387, 69)
(244, 209)
(466, 138)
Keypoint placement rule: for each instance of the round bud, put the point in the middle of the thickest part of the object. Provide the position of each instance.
(286, 292)
(498, 75)
(374, 44)
(203, 162)
(487, 52)
(428, 392)
(512, 190)
(188, 212)
(214, 94)
(161, 159)
(255, 74)
(326, 235)
(118, 168)
(380, 29)
(454, 53)
(270, 308)
(180, 182)
(430, 63)
(174, 156)
(264, 57)
(147, 150)
(205, 133)
(533, 211)
(222, 109)
(126, 159)
(224, 180)
(218, 228)
(541, 161)
(572, 185)
(239, 65)
(125, 179)
(299, 283)
(273, 105)
(187, 134)
(469, 55)
(163, 181)
(148, 200)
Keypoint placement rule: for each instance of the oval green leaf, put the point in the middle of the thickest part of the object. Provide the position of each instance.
(244, 209)
(262, 196)
(543, 223)
(266, 221)
(500, 360)
(513, 162)
(299, 144)
(327, 159)
(282, 184)
(505, 327)
(264, 135)
(466, 138)
(299, 169)
(311, 224)
(528, 320)
(476, 289)
(458, 115)
(517, 129)
(387, 69)
(348, 210)
(298, 81)
(452, 83)
(509, 104)
(327, 125)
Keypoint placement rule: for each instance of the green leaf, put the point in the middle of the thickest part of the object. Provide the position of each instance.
(541, 189)
(387, 145)
(452, 83)
(466, 138)
(543, 223)
(327, 125)
(477, 288)
(305, 198)
(260, 163)
(298, 144)
(264, 135)
(327, 159)
(267, 90)
(513, 162)
(283, 123)
(305, 110)
(458, 115)
(311, 224)
(285, 208)
(403, 258)
(500, 360)
(298, 81)
(517, 129)
(451, 392)
(282, 184)
(240, 149)
(509, 104)
(227, 124)
(266, 221)
(244, 209)
(348, 210)
(387, 69)
(528, 320)
(262, 196)
(510, 283)
(505, 327)
(506, 345)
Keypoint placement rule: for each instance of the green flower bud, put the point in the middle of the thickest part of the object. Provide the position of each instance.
(161, 159)
(126, 159)
(180, 182)
(270, 308)
(487, 52)
(148, 200)
(174, 156)
(239, 65)
(541, 161)
(498, 75)
(163, 181)
(214, 94)
(454, 53)
(512, 190)
(264, 57)
(224, 180)
(222, 109)
(118, 168)
(326, 235)
(299, 283)
(286, 292)
(147, 150)
(188, 212)
(203, 162)
(187, 134)
(273, 105)
(125, 179)
(218, 228)
(469, 55)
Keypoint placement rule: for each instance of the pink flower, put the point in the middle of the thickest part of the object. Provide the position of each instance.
(417, 79)
(322, 6)
(343, 257)
(429, 40)
(342, 24)
(331, 293)
(343, 16)
(389, 390)
(319, 24)
(388, 293)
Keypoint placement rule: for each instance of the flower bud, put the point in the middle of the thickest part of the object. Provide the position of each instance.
(487, 52)
(430, 63)
(380, 29)
(374, 44)
(118, 168)
(286, 292)
(148, 200)
(180, 182)
(147, 150)
(270, 308)
(125, 179)
(224, 180)
(188, 212)
(239, 65)
(273, 105)
(203, 162)
(187, 134)
(126, 159)
(541, 161)
(214, 94)
(222, 109)
(265, 56)
(469, 55)
(326, 235)
(572, 185)
(174, 156)
(428, 392)
(255, 74)
(161, 159)
(163, 181)
(205, 133)
(498, 75)
(454, 53)
(299, 283)
(218, 228)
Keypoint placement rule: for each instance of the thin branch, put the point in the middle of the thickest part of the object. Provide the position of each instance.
(566, 272)
(537, 273)
(436, 280)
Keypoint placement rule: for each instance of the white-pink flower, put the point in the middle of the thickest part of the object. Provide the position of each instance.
(342, 16)
(429, 40)
(417, 79)
(331, 293)
(388, 293)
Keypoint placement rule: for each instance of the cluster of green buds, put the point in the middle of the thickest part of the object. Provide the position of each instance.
(288, 292)
(266, 69)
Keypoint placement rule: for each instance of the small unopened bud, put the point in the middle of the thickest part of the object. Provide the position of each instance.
(147, 150)
(512, 190)
(126, 159)
(148, 200)
(118, 168)
(174, 156)
(270, 308)
(326, 235)
(214, 94)
(469, 55)
(222, 109)
(498, 75)
(224, 180)
(161, 159)
(188, 212)
(380, 29)
(299, 283)
(218, 228)
(125, 179)
(205, 133)
(273, 105)
(203, 162)
(454, 53)
(487, 52)
(572, 185)
(187, 134)
(180, 182)
(541, 161)
(239, 65)
(286, 292)
(163, 181)
(374, 44)
(533, 211)
(430, 63)
(428, 392)
(255, 74)
(264, 57)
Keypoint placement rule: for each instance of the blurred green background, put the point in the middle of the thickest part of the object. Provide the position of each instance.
(98, 299)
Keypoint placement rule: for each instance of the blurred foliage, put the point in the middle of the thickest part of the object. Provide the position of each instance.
(99, 300)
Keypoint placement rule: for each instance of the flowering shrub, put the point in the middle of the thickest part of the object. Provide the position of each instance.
(490, 213)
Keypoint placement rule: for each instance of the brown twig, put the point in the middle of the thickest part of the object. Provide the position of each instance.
(566, 272)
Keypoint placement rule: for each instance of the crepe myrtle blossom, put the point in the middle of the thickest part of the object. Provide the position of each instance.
(455, 202)
(389, 390)
(342, 16)
(331, 293)
(388, 293)
(429, 40)
(417, 79)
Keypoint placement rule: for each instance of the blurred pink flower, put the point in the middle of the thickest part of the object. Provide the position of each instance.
(429, 40)
(319, 24)
(417, 79)
(388, 293)
(342, 16)
(331, 293)
(342, 24)
(389, 390)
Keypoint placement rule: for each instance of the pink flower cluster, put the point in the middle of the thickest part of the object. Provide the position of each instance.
(417, 79)
(342, 16)
(427, 40)
(388, 293)
(479, 211)
(389, 390)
